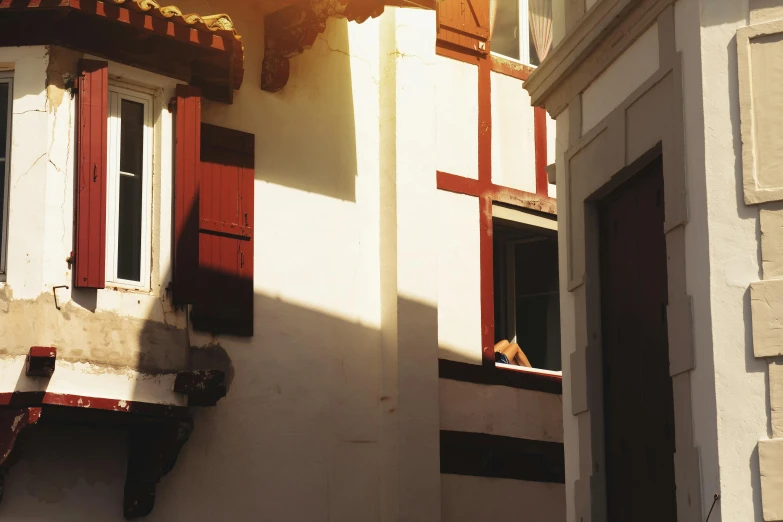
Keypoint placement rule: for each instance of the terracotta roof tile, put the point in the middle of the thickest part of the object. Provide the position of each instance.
(221, 23)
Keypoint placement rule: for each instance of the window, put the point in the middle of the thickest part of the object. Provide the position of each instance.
(527, 302)
(6, 92)
(129, 183)
(518, 25)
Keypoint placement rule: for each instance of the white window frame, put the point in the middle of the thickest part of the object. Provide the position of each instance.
(524, 35)
(118, 93)
(7, 78)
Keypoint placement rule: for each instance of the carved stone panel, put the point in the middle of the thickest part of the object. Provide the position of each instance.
(760, 62)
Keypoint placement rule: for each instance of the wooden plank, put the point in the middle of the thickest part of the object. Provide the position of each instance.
(93, 116)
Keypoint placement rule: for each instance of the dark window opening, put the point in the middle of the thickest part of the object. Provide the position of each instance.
(131, 175)
(527, 300)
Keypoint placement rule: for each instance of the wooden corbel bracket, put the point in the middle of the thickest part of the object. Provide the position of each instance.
(203, 387)
(291, 30)
(12, 422)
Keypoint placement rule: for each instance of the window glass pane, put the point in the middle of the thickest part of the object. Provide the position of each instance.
(4, 92)
(132, 137)
(4, 124)
(131, 166)
(505, 34)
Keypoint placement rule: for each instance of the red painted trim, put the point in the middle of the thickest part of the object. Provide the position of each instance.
(456, 52)
(539, 129)
(187, 179)
(458, 184)
(523, 199)
(92, 136)
(484, 123)
(496, 193)
(487, 283)
(33, 399)
(510, 68)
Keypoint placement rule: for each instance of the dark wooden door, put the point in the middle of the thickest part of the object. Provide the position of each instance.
(639, 411)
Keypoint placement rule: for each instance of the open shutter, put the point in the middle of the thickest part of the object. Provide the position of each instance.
(464, 23)
(187, 176)
(225, 300)
(93, 115)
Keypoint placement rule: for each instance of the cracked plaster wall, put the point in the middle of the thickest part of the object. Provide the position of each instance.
(108, 328)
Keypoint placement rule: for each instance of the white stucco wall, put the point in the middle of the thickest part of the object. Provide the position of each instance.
(740, 378)
(459, 278)
(513, 137)
(457, 117)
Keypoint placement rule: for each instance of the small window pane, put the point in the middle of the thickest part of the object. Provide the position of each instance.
(505, 34)
(130, 211)
(5, 123)
(132, 137)
(4, 92)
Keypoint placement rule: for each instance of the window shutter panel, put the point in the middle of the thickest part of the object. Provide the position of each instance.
(225, 300)
(187, 177)
(93, 116)
(464, 23)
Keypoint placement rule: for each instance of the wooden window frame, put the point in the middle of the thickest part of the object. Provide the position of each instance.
(6, 78)
(524, 36)
(518, 215)
(117, 93)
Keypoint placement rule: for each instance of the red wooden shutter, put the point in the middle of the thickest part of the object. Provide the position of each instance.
(225, 300)
(187, 176)
(93, 101)
(464, 23)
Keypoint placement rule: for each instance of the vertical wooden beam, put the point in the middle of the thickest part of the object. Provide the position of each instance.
(485, 212)
(540, 136)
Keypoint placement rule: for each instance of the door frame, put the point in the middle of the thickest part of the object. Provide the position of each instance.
(648, 123)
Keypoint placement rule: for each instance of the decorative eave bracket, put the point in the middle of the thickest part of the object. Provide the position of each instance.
(291, 30)
(156, 432)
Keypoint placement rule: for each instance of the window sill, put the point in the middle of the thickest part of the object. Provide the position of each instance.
(509, 376)
(510, 66)
(524, 369)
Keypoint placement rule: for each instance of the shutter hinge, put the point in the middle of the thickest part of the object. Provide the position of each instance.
(71, 83)
(70, 260)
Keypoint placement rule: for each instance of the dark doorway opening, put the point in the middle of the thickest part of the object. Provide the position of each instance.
(638, 401)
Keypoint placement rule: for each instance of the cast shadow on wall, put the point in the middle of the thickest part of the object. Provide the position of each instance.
(303, 413)
(307, 137)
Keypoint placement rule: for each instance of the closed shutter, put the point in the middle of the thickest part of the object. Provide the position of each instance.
(225, 299)
(93, 115)
(187, 176)
(464, 23)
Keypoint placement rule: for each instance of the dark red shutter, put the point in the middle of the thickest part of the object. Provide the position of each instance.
(225, 299)
(93, 100)
(187, 176)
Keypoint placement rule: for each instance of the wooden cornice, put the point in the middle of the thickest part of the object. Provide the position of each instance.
(605, 32)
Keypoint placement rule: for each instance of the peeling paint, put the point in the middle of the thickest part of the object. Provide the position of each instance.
(102, 337)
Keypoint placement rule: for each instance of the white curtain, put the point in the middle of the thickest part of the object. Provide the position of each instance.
(541, 26)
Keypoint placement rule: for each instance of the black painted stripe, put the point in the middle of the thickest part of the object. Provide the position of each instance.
(483, 455)
(475, 373)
